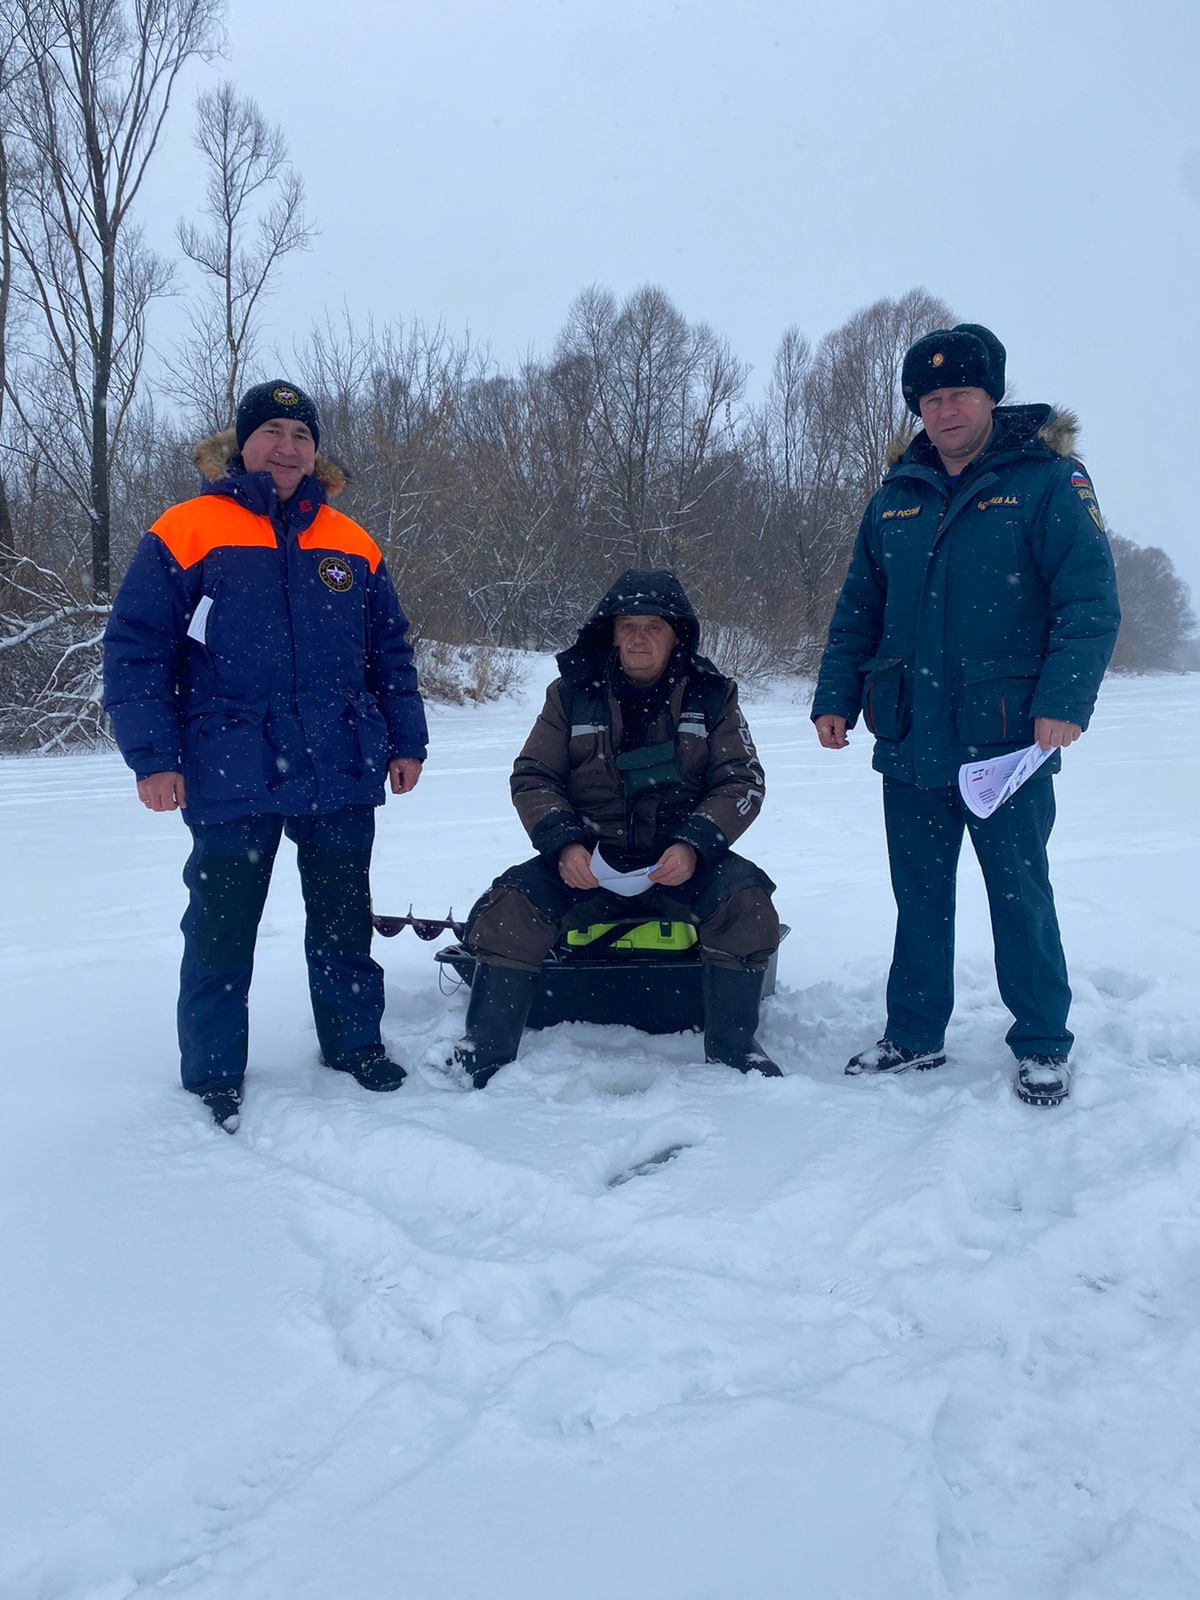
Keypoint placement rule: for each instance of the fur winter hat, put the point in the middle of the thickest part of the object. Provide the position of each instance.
(967, 356)
(276, 399)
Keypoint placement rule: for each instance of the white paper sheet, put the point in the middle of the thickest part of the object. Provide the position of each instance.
(198, 626)
(622, 883)
(984, 785)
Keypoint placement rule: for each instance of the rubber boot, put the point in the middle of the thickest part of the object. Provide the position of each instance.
(730, 1017)
(499, 1004)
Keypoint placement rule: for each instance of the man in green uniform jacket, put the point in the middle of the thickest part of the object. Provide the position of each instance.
(978, 616)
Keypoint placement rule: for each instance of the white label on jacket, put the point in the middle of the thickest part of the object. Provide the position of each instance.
(198, 626)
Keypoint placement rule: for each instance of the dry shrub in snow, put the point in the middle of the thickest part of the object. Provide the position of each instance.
(456, 673)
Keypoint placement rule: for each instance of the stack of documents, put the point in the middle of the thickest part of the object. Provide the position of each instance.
(984, 785)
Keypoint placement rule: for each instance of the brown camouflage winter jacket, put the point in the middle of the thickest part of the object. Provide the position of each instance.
(566, 784)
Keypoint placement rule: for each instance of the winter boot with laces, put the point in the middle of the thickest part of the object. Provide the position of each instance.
(1043, 1080)
(887, 1056)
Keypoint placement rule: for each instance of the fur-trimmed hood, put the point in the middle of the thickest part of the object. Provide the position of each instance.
(1017, 427)
(218, 457)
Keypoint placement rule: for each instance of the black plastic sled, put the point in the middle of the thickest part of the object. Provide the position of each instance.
(646, 975)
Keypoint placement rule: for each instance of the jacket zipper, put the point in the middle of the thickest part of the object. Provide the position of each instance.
(282, 533)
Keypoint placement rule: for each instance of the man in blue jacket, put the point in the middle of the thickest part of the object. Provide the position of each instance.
(259, 678)
(978, 616)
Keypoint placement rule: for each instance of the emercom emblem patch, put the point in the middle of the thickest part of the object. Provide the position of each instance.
(335, 574)
(1082, 486)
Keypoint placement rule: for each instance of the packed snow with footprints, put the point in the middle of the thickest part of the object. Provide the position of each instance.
(623, 1323)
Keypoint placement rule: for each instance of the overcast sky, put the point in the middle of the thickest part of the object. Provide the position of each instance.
(1036, 163)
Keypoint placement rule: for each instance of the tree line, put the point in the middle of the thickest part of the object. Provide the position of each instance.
(504, 501)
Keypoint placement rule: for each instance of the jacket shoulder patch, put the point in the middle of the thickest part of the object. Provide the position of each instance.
(1082, 486)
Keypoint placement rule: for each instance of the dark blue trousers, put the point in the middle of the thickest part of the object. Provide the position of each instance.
(227, 875)
(924, 836)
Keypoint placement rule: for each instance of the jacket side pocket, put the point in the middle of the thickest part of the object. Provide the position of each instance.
(887, 697)
(224, 753)
(996, 699)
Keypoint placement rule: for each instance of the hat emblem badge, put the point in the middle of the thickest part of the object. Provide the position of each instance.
(284, 396)
(937, 358)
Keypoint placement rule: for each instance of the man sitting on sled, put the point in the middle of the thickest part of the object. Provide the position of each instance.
(642, 752)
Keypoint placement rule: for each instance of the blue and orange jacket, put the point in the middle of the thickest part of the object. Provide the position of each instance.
(261, 651)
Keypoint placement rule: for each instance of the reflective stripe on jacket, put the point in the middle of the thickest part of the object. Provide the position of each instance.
(568, 790)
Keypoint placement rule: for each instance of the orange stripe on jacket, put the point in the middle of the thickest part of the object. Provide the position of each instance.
(333, 531)
(195, 528)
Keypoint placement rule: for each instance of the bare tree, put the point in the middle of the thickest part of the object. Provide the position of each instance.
(86, 118)
(830, 422)
(857, 376)
(12, 63)
(255, 208)
(1157, 619)
(663, 395)
(528, 482)
(389, 400)
(49, 690)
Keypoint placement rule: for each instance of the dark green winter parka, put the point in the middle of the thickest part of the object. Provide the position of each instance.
(970, 610)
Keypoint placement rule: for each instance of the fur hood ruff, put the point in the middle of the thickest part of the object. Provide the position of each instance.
(1059, 432)
(218, 457)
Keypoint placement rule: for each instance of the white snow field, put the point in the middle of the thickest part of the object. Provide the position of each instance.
(856, 1340)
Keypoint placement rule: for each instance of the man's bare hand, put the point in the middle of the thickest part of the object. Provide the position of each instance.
(403, 774)
(1052, 734)
(831, 731)
(575, 867)
(676, 865)
(162, 791)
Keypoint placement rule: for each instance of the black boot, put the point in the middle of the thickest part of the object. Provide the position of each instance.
(499, 1004)
(888, 1056)
(730, 1017)
(224, 1101)
(377, 1071)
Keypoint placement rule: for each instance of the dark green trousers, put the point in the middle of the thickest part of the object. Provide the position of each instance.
(924, 836)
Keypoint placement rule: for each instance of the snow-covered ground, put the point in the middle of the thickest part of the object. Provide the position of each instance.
(856, 1340)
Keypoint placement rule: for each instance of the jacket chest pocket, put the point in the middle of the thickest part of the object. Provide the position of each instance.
(587, 744)
(995, 701)
(887, 697)
(654, 766)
